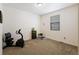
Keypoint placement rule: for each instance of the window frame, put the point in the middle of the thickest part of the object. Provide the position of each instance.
(55, 23)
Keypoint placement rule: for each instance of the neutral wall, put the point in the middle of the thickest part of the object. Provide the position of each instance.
(68, 25)
(15, 19)
(0, 33)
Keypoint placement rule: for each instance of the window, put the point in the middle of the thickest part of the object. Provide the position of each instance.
(55, 23)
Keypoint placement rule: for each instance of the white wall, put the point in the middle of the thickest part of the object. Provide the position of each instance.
(15, 19)
(0, 33)
(68, 25)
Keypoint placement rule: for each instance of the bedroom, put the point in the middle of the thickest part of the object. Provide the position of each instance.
(62, 35)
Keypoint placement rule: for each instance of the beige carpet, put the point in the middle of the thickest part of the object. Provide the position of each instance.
(42, 47)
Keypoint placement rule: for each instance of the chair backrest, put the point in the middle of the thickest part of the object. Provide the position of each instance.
(40, 34)
(7, 35)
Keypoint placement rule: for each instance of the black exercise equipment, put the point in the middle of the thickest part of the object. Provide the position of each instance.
(20, 42)
(8, 39)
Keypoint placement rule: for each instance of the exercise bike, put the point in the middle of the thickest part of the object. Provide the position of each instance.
(9, 41)
(20, 42)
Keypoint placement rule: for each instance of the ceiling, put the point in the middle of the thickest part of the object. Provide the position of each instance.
(45, 8)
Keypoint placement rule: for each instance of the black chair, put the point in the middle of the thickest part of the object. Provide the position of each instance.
(8, 39)
(40, 35)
